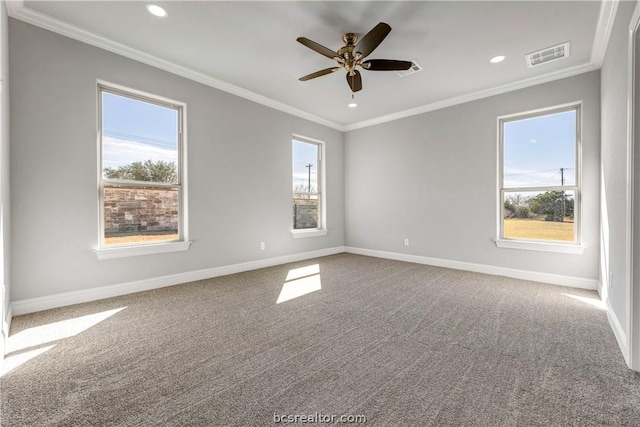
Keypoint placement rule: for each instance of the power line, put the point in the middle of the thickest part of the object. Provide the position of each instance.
(162, 143)
(532, 172)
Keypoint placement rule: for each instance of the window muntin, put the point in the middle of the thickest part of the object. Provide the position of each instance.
(539, 176)
(307, 185)
(141, 185)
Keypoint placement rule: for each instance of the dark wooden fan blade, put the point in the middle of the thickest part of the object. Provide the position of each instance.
(318, 74)
(386, 65)
(355, 81)
(317, 47)
(373, 38)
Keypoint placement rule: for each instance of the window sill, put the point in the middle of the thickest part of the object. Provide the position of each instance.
(129, 251)
(301, 234)
(563, 248)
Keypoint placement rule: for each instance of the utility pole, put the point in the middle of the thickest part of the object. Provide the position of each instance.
(563, 199)
(309, 166)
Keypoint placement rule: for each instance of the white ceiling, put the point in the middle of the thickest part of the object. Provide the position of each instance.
(249, 48)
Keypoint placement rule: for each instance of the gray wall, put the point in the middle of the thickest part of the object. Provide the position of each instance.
(614, 92)
(239, 170)
(433, 179)
(5, 270)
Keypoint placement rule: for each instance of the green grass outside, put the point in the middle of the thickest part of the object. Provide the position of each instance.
(517, 228)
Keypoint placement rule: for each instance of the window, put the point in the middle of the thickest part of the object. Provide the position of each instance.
(141, 171)
(308, 197)
(539, 177)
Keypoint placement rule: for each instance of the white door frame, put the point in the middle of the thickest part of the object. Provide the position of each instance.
(633, 199)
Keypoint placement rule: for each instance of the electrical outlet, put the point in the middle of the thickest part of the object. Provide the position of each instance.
(406, 242)
(263, 246)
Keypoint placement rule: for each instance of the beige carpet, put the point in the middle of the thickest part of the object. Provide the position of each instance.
(399, 343)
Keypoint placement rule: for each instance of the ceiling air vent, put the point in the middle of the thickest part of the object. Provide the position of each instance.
(549, 54)
(414, 69)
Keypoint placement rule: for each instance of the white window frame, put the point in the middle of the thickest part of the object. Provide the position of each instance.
(135, 249)
(321, 229)
(574, 247)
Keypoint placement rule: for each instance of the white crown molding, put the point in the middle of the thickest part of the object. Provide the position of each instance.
(604, 27)
(17, 10)
(606, 20)
(33, 305)
(13, 6)
(510, 87)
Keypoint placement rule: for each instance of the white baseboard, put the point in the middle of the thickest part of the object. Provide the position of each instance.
(555, 279)
(618, 331)
(69, 298)
(6, 327)
(76, 297)
(6, 324)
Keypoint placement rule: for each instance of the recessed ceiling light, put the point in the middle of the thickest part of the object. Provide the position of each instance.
(156, 10)
(497, 59)
(352, 105)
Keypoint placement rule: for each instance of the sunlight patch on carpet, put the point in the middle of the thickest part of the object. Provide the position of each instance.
(22, 346)
(595, 302)
(300, 281)
(12, 362)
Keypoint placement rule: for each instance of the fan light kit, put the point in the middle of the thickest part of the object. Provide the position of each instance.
(352, 55)
(156, 10)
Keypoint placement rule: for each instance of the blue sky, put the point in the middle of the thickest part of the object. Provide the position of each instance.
(536, 149)
(137, 131)
(304, 154)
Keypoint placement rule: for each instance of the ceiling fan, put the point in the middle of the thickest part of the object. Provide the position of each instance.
(352, 55)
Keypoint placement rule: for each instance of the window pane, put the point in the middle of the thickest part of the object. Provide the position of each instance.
(305, 166)
(540, 151)
(539, 215)
(139, 140)
(135, 215)
(305, 211)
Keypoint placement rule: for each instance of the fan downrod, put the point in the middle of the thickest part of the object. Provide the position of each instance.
(350, 39)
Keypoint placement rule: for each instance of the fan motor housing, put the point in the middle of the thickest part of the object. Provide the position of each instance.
(346, 51)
